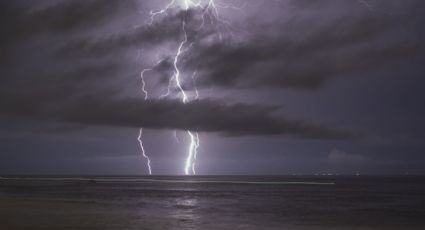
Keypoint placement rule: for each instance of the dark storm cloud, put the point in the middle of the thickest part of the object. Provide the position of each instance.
(148, 34)
(308, 50)
(23, 20)
(302, 53)
(201, 115)
(298, 53)
(72, 32)
(92, 48)
(344, 47)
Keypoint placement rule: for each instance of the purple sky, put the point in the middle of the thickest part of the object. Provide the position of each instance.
(286, 87)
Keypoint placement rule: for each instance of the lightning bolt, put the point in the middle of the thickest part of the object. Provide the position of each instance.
(139, 138)
(144, 152)
(175, 63)
(210, 10)
(193, 143)
(146, 95)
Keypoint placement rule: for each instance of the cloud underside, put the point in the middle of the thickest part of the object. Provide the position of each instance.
(201, 115)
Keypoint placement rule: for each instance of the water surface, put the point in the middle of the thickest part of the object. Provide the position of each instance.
(211, 202)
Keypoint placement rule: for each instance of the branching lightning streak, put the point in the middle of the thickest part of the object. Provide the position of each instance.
(162, 11)
(146, 95)
(176, 60)
(143, 151)
(193, 144)
(139, 138)
(209, 10)
(193, 152)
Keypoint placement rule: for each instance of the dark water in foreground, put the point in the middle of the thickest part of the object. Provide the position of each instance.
(213, 203)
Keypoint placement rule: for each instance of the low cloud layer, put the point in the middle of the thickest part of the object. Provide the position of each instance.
(202, 115)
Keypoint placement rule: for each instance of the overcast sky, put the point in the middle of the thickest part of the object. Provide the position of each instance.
(285, 87)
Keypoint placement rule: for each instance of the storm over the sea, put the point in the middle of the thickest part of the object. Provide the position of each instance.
(271, 87)
(212, 114)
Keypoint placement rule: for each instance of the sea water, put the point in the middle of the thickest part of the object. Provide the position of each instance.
(213, 202)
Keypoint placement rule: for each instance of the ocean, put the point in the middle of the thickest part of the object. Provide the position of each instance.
(213, 202)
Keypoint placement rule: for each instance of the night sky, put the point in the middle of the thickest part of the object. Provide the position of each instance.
(285, 87)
